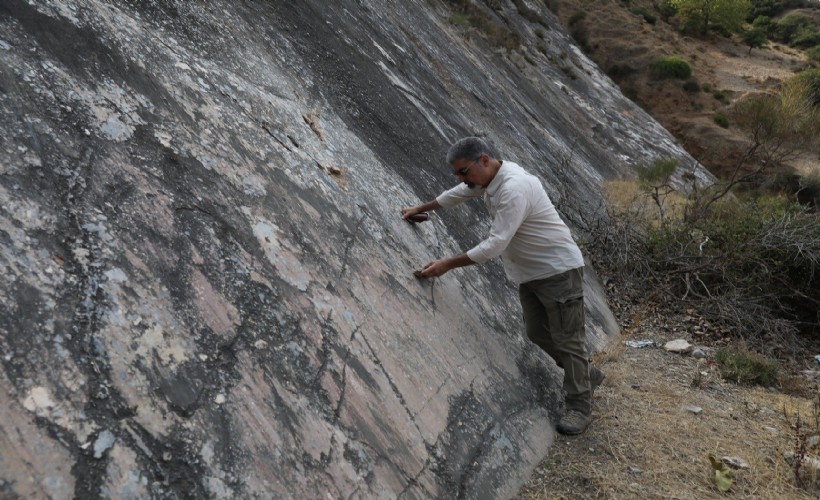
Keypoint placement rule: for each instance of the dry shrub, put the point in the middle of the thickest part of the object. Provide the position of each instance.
(744, 366)
(751, 267)
(779, 125)
(798, 385)
(466, 13)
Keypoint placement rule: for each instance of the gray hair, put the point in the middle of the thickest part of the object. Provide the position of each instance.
(468, 148)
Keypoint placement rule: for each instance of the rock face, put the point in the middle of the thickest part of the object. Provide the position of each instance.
(207, 289)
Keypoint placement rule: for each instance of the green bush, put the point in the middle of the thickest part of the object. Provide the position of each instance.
(466, 14)
(814, 53)
(576, 18)
(809, 80)
(664, 8)
(619, 70)
(806, 37)
(780, 124)
(724, 17)
(788, 26)
(765, 8)
(691, 86)
(645, 14)
(460, 20)
(764, 23)
(706, 87)
(721, 120)
(658, 172)
(760, 257)
(743, 366)
(672, 67)
(754, 38)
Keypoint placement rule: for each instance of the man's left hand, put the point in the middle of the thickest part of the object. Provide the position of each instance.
(441, 266)
(435, 268)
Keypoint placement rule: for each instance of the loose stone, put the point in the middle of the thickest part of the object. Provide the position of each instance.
(678, 346)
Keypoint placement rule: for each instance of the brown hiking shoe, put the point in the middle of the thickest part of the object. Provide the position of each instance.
(573, 422)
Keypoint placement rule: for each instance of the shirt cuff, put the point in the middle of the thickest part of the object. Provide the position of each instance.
(477, 255)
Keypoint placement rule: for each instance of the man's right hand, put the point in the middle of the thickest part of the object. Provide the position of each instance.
(408, 212)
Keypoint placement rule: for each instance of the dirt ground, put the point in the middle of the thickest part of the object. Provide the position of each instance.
(646, 440)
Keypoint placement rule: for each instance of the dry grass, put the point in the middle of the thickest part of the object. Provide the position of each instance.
(629, 196)
(641, 421)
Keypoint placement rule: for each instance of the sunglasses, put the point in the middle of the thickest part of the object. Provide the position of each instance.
(462, 172)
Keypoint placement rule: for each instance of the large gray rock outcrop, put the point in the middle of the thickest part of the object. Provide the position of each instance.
(207, 289)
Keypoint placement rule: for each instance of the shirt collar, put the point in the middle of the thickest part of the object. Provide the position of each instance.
(494, 184)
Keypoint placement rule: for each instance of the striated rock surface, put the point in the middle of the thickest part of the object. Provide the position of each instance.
(206, 287)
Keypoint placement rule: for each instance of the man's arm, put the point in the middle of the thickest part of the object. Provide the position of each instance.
(447, 199)
(510, 213)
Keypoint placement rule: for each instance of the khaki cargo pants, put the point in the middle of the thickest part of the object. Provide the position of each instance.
(554, 317)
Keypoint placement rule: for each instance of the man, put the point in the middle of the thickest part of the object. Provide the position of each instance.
(538, 253)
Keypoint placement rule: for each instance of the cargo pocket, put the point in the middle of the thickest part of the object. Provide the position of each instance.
(572, 315)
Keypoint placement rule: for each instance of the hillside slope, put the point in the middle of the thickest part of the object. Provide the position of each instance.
(724, 71)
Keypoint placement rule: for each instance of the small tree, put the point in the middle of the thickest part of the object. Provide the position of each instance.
(664, 8)
(702, 14)
(754, 38)
(765, 24)
(777, 126)
(656, 180)
(767, 8)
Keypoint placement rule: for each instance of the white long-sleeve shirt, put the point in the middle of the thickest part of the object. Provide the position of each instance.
(527, 232)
